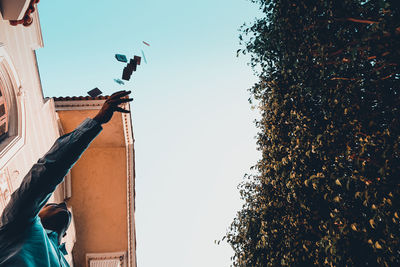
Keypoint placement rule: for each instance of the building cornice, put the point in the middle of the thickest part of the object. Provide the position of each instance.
(17, 8)
(79, 103)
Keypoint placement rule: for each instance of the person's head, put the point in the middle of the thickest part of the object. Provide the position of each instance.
(56, 217)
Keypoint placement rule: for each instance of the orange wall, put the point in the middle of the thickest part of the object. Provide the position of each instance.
(99, 197)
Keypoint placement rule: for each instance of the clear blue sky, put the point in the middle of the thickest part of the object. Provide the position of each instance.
(193, 125)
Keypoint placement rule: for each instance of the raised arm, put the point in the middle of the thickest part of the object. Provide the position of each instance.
(43, 178)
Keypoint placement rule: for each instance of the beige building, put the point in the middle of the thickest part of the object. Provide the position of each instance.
(100, 188)
(28, 126)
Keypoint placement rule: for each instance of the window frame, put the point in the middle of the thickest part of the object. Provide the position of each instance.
(11, 93)
(4, 118)
(119, 256)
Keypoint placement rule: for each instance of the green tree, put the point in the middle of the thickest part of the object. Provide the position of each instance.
(327, 189)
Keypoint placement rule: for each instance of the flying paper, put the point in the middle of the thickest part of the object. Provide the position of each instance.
(126, 74)
(119, 81)
(144, 57)
(95, 92)
(137, 59)
(121, 58)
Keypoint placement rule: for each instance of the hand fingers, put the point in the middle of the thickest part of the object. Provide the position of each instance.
(122, 110)
(119, 94)
(120, 101)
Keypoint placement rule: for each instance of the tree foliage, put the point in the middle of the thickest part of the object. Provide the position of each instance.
(327, 189)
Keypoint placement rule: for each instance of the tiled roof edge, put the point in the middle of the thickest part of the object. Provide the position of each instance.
(72, 98)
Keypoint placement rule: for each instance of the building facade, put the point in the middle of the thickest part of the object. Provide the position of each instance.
(28, 125)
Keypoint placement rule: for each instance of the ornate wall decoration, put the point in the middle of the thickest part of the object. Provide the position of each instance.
(5, 188)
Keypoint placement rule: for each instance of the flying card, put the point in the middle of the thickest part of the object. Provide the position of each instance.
(95, 92)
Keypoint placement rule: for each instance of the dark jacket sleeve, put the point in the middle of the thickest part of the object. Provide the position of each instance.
(44, 176)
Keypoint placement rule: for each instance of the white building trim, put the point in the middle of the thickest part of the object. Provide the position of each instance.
(38, 30)
(130, 163)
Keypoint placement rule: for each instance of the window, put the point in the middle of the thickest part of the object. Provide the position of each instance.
(106, 263)
(117, 259)
(3, 116)
(8, 107)
(12, 112)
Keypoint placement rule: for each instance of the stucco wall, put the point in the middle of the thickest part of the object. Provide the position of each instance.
(99, 197)
(39, 127)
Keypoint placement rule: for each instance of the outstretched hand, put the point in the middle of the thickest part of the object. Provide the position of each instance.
(111, 105)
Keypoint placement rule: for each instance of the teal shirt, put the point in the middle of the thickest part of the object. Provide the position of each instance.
(23, 240)
(39, 249)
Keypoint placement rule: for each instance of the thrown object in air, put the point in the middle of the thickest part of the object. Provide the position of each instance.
(146, 43)
(126, 74)
(130, 68)
(144, 57)
(137, 59)
(132, 65)
(121, 58)
(95, 92)
(119, 81)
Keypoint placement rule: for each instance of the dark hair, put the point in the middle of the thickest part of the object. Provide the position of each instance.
(58, 221)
